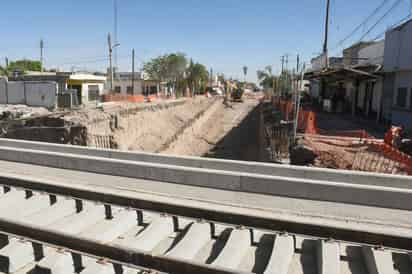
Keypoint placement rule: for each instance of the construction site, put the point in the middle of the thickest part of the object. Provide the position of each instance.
(255, 129)
(197, 126)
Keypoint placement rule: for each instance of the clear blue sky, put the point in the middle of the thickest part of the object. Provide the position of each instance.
(223, 34)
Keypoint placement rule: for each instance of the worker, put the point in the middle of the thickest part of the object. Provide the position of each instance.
(394, 137)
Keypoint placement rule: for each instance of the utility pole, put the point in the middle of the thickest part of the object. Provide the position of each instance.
(325, 50)
(300, 88)
(133, 71)
(7, 62)
(281, 74)
(111, 47)
(287, 74)
(325, 45)
(41, 54)
(115, 8)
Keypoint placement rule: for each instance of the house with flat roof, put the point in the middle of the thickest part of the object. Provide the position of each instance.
(398, 74)
(88, 87)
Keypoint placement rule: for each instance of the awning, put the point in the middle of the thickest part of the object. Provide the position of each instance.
(335, 75)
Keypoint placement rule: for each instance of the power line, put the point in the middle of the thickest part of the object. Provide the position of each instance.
(381, 18)
(406, 18)
(377, 9)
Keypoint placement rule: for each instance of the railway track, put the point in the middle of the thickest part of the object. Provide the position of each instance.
(48, 233)
(56, 227)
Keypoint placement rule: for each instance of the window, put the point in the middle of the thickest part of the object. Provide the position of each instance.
(401, 97)
(130, 90)
(117, 89)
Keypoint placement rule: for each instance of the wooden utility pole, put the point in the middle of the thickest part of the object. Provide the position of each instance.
(300, 88)
(133, 71)
(115, 10)
(325, 50)
(111, 47)
(41, 54)
(325, 44)
(109, 41)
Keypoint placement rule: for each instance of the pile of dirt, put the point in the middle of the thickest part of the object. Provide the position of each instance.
(350, 154)
(211, 128)
(14, 112)
(144, 127)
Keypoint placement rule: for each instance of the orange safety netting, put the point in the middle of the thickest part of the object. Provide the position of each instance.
(307, 124)
(124, 98)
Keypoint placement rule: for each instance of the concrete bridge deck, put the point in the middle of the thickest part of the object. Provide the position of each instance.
(216, 244)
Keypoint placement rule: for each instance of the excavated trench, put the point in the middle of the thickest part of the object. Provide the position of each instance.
(194, 127)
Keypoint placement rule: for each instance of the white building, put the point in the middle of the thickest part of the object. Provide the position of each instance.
(123, 83)
(398, 74)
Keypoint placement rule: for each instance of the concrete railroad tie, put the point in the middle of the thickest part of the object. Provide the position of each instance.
(220, 246)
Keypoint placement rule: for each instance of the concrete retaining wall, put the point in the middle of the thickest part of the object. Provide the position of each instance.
(352, 177)
(376, 196)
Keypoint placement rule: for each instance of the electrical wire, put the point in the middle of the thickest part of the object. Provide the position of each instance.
(380, 19)
(406, 18)
(355, 30)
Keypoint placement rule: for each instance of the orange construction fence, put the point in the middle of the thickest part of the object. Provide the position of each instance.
(128, 98)
(394, 154)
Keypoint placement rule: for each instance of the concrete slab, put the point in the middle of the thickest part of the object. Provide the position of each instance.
(378, 261)
(52, 214)
(328, 257)
(98, 268)
(76, 223)
(11, 198)
(108, 230)
(235, 249)
(56, 262)
(282, 254)
(361, 194)
(193, 241)
(228, 165)
(16, 255)
(159, 229)
(26, 207)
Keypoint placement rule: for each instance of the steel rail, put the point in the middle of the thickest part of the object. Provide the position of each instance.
(225, 217)
(127, 256)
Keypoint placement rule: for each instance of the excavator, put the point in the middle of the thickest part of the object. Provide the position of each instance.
(236, 93)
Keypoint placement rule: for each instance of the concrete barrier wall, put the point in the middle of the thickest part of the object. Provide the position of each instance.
(376, 196)
(3, 91)
(41, 94)
(16, 93)
(36, 94)
(352, 177)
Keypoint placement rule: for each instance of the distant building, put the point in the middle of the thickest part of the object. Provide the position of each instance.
(398, 74)
(123, 84)
(88, 87)
(351, 55)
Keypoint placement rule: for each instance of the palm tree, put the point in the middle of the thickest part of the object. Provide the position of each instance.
(266, 77)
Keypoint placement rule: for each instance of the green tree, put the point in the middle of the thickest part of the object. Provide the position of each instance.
(156, 68)
(170, 68)
(24, 65)
(3, 71)
(197, 76)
